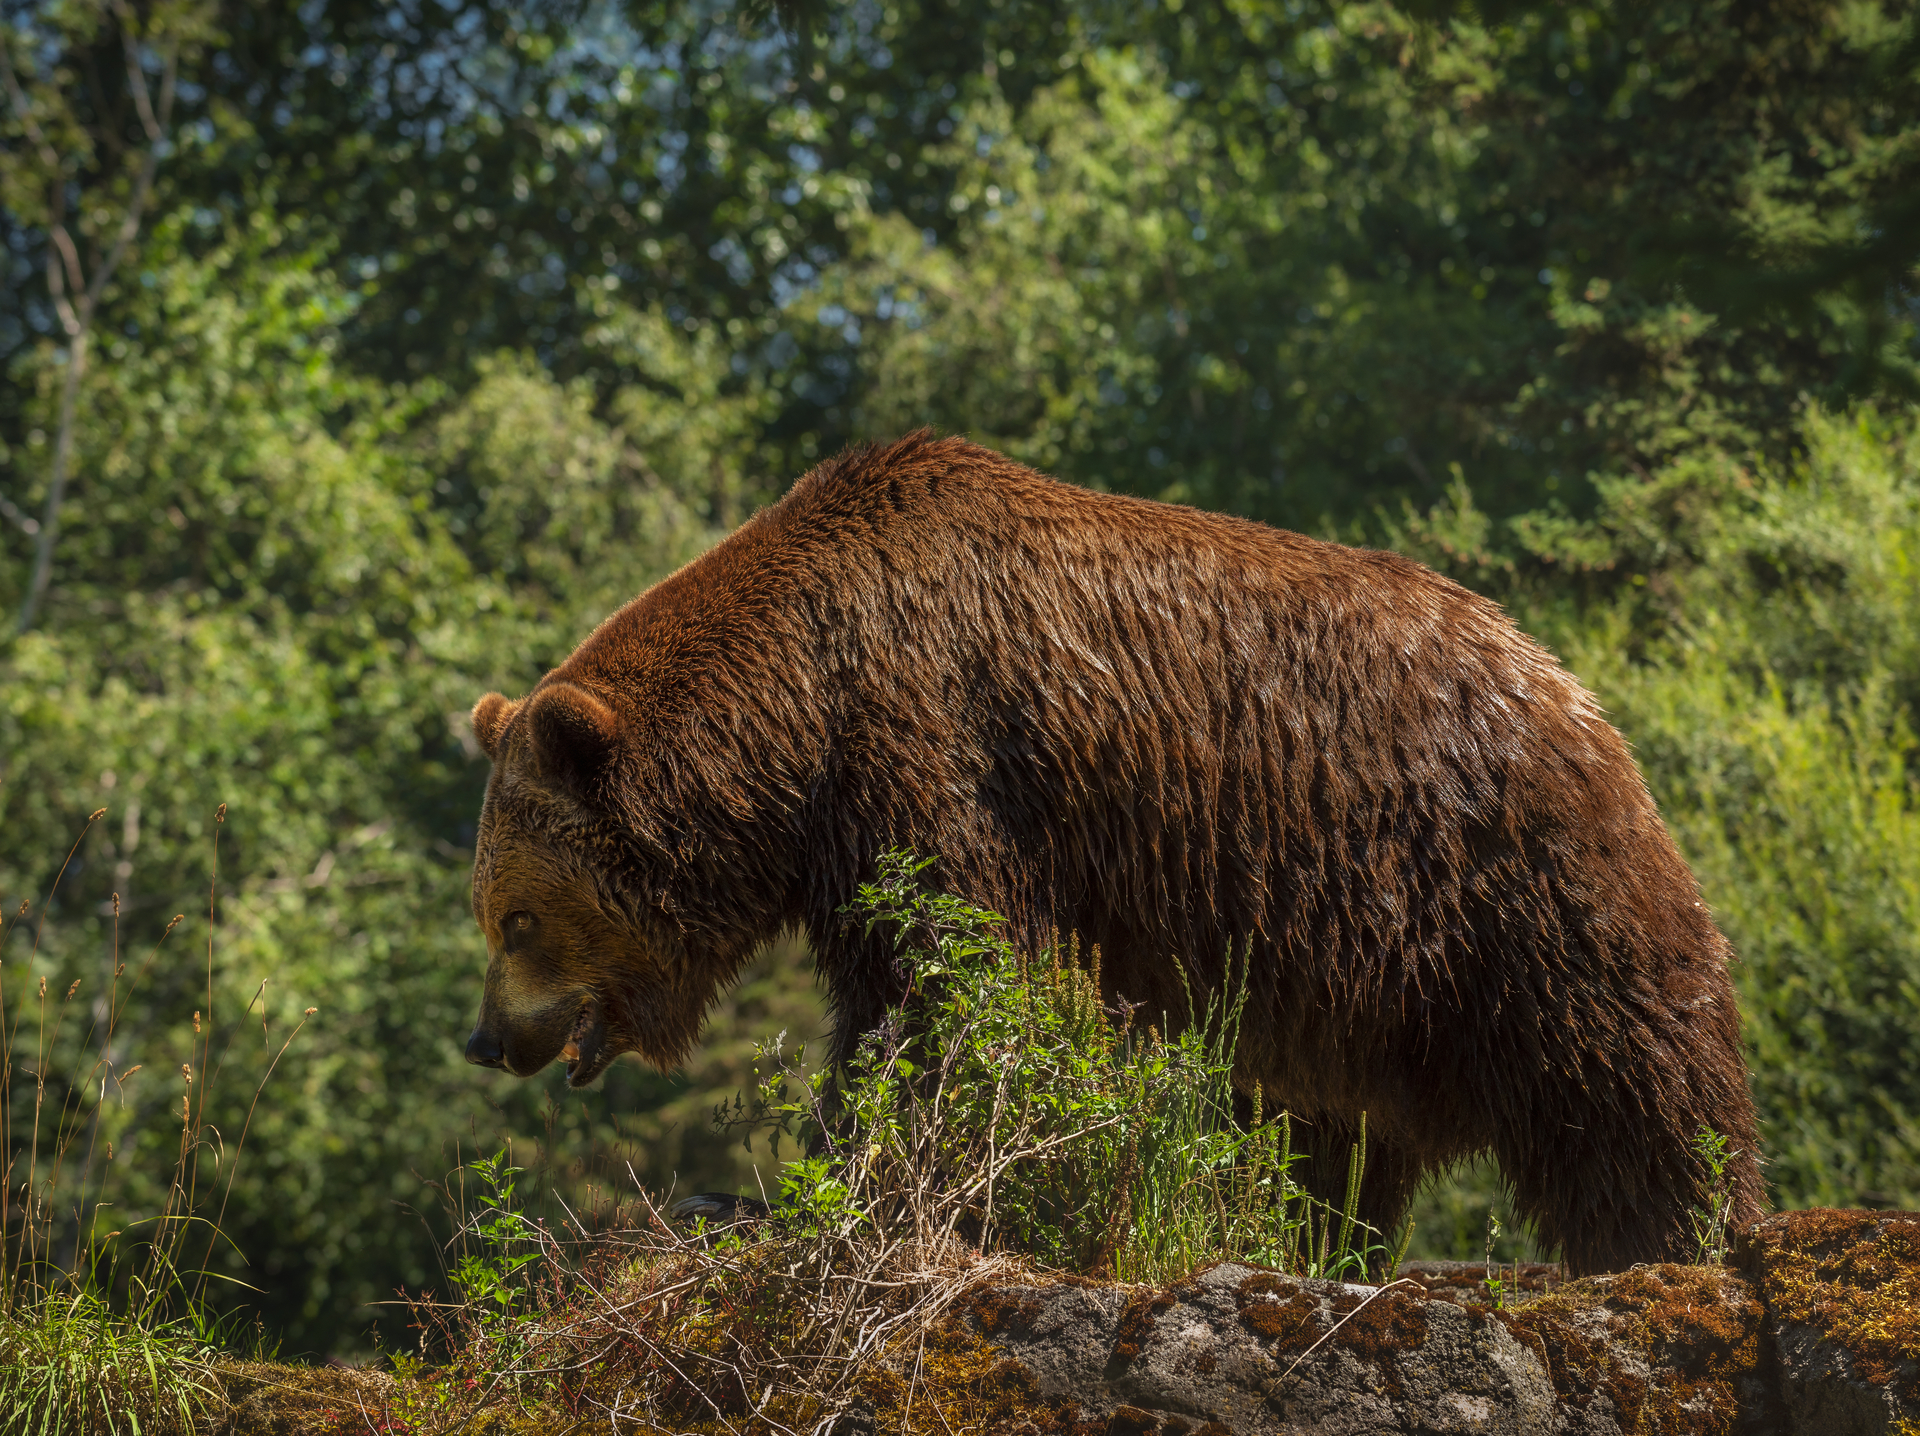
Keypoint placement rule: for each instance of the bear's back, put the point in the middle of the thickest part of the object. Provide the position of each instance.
(957, 555)
(935, 577)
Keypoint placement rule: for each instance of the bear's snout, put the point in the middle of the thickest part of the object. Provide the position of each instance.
(484, 1050)
(521, 1043)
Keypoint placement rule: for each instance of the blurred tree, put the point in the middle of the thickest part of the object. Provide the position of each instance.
(1396, 240)
(493, 168)
(1757, 636)
(79, 156)
(289, 584)
(1764, 652)
(1300, 261)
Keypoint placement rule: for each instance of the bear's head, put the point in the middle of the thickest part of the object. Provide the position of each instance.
(585, 957)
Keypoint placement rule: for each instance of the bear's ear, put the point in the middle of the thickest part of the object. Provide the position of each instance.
(490, 718)
(574, 733)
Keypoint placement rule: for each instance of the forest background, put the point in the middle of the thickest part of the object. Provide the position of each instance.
(400, 342)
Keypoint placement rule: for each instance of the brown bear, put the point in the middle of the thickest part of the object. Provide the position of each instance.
(1168, 732)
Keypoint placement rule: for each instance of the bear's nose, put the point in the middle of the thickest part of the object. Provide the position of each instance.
(483, 1048)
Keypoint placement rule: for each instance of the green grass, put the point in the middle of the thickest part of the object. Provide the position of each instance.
(107, 1323)
(1004, 1125)
(72, 1366)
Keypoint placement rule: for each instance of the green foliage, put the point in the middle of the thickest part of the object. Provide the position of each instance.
(451, 326)
(285, 589)
(1449, 1216)
(1006, 1102)
(1766, 670)
(72, 1366)
(1716, 1197)
(488, 1274)
(1751, 626)
(107, 1330)
(1308, 255)
(1296, 263)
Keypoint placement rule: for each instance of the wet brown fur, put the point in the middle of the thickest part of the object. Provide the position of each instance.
(1172, 733)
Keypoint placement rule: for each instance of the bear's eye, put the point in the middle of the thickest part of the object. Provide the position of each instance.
(519, 922)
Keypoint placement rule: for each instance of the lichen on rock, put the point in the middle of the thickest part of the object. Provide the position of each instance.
(1661, 1348)
(1843, 1291)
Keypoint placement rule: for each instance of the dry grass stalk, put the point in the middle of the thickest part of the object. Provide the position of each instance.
(107, 1330)
(656, 1327)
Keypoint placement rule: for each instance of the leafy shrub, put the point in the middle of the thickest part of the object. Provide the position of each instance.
(1768, 671)
(1754, 630)
(1005, 1103)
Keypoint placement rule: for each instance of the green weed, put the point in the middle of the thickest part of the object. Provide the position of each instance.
(108, 1328)
(1496, 1284)
(488, 1274)
(1710, 1218)
(1005, 1103)
(1001, 1126)
(69, 1363)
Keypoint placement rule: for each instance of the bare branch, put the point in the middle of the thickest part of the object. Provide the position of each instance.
(149, 166)
(136, 74)
(60, 240)
(60, 246)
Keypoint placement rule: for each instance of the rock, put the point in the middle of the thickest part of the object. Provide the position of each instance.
(1241, 1350)
(1660, 1349)
(1842, 1290)
(1815, 1331)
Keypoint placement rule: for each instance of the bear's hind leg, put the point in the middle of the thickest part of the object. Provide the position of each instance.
(1600, 1199)
(1623, 1185)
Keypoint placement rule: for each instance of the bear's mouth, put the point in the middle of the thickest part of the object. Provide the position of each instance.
(585, 1050)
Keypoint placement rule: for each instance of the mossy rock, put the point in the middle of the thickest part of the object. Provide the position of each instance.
(1670, 1349)
(1842, 1291)
(272, 1399)
(1813, 1331)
